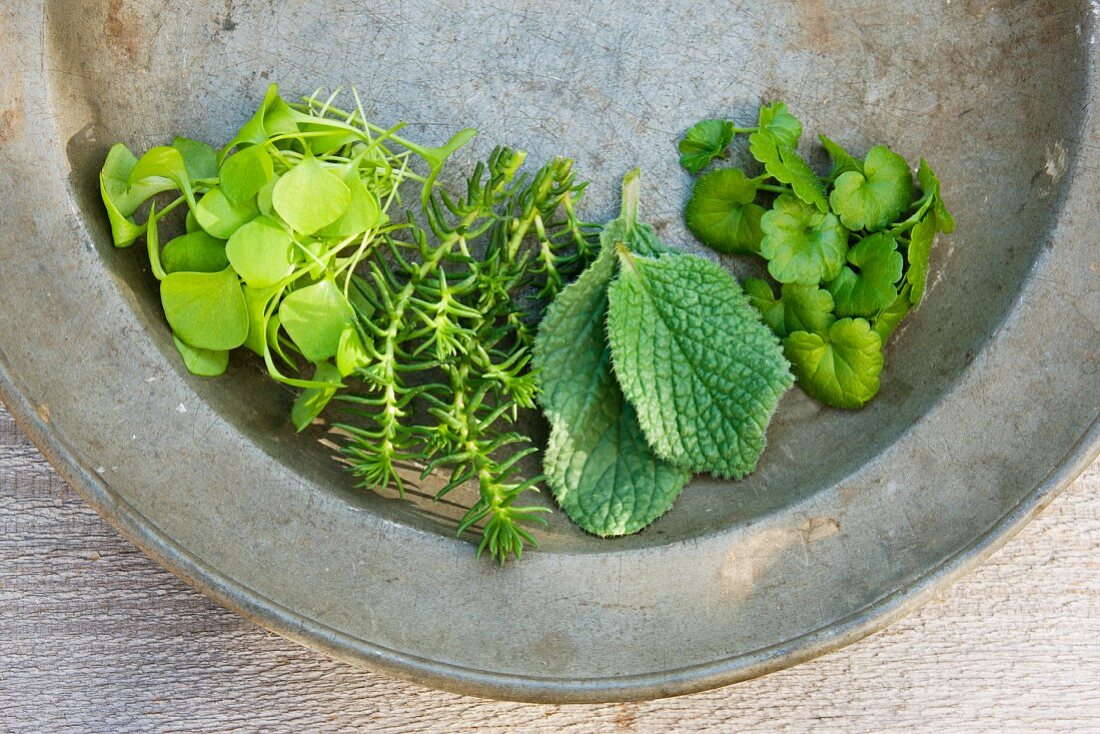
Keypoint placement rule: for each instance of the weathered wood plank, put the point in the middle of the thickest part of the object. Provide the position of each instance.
(96, 638)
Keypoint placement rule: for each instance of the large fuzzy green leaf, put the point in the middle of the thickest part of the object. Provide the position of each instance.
(692, 356)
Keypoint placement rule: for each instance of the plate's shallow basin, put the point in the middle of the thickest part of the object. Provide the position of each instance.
(990, 397)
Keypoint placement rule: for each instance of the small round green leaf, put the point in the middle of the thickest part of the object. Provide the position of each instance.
(244, 173)
(202, 362)
(777, 120)
(310, 196)
(351, 355)
(217, 216)
(801, 244)
(840, 368)
(195, 252)
(205, 310)
(314, 399)
(315, 317)
(705, 141)
(260, 252)
(721, 212)
(199, 159)
(873, 199)
(363, 213)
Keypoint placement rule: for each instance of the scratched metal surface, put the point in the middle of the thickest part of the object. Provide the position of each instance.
(991, 393)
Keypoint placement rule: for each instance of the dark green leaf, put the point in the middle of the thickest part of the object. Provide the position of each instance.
(705, 141)
(721, 212)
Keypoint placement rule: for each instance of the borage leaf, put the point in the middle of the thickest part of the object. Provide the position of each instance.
(598, 464)
(721, 212)
(873, 199)
(840, 368)
(867, 284)
(801, 244)
(693, 357)
(705, 141)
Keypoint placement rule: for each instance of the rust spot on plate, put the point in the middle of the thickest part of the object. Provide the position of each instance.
(11, 121)
(124, 30)
(817, 21)
(43, 411)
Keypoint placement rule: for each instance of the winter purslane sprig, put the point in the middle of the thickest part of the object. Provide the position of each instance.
(848, 251)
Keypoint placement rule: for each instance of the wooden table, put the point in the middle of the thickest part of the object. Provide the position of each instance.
(94, 637)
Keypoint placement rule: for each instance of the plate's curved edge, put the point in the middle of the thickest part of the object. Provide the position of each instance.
(265, 612)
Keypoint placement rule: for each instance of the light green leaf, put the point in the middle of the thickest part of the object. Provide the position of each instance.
(783, 163)
(692, 356)
(257, 301)
(781, 124)
(217, 216)
(362, 214)
(868, 286)
(763, 299)
(274, 117)
(873, 199)
(314, 399)
(195, 252)
(840, 368)
(806, 308)
(843, 161)
(721, 212)
(205, 310)
(309, 196)
(245, 172)
(202, 362)
(801, 244)
(598, 464)
(121, 198)
(162, 163)
(260, 252)
(930, 185)
(351, 355)
(315, 317)
(888, 319)
(704, 141)
(199, 159)
(921, 238)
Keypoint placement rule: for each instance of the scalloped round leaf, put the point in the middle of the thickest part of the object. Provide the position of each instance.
(692, 356)
(315, 317)
(721, 212)
(783, 163)
(202, 362)
(840, 368)
(801, 244)
(205, 310)
(704, 141)
(875, 198)
(310, 196)
(194, 252)
(260, 252)
(780, 123)
(217, 216)
(806, 308)
(930, 185)
(870, 284)
(763, 300)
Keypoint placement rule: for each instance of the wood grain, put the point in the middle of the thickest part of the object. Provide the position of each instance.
(96, 638)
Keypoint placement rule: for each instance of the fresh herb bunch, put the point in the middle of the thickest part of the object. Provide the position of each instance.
(450, 338)
(696, 378)
(849, 250)
(437, 329)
